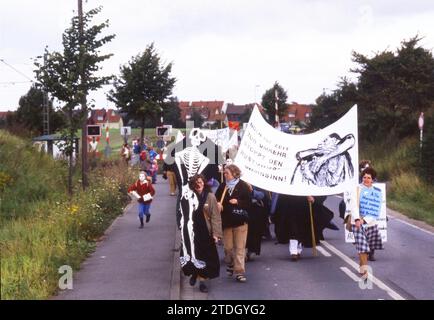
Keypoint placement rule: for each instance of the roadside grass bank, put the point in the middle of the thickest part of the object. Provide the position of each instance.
(41, 227)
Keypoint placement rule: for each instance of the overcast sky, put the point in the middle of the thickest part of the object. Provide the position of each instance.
(231, 50)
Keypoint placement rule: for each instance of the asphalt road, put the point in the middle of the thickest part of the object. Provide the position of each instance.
(404, 270)
(132, 263)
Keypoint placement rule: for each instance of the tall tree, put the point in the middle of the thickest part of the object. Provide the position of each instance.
(197, 118)
(143, 87)
(269, 102)
(392, 89)
(29, 112)
(69, 76)
(172, 113)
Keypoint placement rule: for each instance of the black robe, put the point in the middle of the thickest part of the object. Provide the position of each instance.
(205, 248)
(258, 217)
(292, 219)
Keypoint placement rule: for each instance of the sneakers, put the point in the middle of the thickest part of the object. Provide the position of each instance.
(241, 278)
(148, 217)
(173, 194)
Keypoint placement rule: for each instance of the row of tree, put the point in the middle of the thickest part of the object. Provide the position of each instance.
(391, 91)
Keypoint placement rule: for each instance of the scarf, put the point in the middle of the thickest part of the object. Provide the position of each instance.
(231, 185)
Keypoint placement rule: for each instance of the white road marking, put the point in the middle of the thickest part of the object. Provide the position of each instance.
(351, 274)
(375, 280)
(411, 225)
(323, 251)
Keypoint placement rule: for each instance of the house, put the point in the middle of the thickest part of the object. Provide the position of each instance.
(210, 111)
(234, 112)
(106, 118)
(297, 112)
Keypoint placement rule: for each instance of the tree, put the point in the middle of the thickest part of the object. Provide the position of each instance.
(269, 102)
(172, 113)
(393, 88)
(143, 87)
(196, 117)
(29, 112)
(427, 155)
(70, 76)
(331, 107)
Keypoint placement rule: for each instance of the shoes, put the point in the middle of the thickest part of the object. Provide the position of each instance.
(332, 226)
(295, 257)
(141, 226)
(141, 223)
(148, 217)
(172, 194)
(371, 256)
(241, 278)
(193, 279)
(202, 287)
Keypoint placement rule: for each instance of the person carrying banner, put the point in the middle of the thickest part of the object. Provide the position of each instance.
(207, 229)
(234, 202)
(366, 233)
(144, 192)
(292, 221)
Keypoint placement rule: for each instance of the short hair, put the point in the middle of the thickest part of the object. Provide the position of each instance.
(143, 171)
(236, 172)
(193, 180)
(370, 171)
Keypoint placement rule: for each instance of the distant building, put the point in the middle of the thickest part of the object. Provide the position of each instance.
(106, 118)
(234, 112)
(210, 111)
(297, 112)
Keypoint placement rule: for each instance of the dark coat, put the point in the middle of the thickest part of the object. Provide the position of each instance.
(292, 219)
(241, 192)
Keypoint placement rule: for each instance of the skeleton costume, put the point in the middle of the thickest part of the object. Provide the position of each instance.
(189, 162)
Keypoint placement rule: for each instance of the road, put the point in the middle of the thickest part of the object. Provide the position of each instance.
(143, 264)
(403, 271)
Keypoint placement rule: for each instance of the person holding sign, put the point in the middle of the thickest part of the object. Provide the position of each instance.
(144, 192)
(366, 233)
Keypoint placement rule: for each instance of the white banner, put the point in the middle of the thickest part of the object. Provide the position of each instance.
(321, 163)
(222, 138)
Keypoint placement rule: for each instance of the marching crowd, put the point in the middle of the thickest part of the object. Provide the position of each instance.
(239, 214)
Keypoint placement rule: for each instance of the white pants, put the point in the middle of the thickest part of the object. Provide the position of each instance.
(295, 247)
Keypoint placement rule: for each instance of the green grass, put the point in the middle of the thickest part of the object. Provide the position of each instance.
(41, 227)
(397, 164)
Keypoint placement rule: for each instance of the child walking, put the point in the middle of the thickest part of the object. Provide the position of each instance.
(143, 191)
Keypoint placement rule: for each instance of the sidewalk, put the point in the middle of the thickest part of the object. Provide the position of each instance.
(132, 263)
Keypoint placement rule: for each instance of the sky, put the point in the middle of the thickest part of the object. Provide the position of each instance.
(227, 50)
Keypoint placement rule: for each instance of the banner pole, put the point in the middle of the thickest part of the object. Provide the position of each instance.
(312, 229)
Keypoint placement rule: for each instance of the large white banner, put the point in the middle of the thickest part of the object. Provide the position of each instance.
(321, 163)
(222, 138)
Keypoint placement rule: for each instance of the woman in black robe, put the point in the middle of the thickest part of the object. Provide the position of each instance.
(292, 220)
(207, 231)
(258, 217)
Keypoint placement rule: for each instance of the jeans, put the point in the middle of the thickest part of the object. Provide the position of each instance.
(144, 209)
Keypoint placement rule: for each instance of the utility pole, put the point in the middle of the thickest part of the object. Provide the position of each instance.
(276, 105)
(84, 164)
(45, 109)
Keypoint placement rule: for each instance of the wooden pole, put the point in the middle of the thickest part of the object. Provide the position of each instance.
(312, 229)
